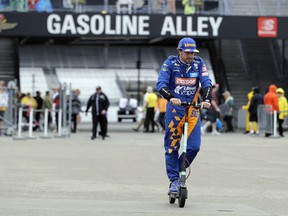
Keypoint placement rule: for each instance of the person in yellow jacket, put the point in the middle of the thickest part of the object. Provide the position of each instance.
(246, 107)
(151, 102)
(283, 109)
(192, 6)
(28, 102)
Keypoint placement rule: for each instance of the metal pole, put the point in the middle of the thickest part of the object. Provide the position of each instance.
(20, 122)
(19, 137)
(45, 124)
(106, 6)
(30, 124)
(220, 62)
(283, 57)
(60, 122)
(10, 104)
(69, 111)
(33, 85)
(138, 65)
(275, 124)
(64, 108)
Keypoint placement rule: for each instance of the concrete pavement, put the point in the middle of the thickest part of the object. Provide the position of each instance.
(234, 174)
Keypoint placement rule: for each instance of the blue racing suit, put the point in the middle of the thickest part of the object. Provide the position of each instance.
(179, 80)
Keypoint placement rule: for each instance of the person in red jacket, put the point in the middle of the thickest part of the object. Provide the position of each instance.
(271, 98)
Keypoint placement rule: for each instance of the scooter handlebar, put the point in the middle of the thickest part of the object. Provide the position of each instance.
(190, 103)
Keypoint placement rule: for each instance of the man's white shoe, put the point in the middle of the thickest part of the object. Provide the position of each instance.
(215, 133)
(203, 131)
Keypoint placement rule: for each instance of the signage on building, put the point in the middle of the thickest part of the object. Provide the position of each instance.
(267, 27)
(134, 25)
(4, 24)
(141, 25)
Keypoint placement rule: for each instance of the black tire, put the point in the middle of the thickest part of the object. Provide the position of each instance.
(182, 197)
(119, 119)
(171, 200)
(134, 119)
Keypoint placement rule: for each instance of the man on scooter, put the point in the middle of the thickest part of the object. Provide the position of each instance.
(178, 81)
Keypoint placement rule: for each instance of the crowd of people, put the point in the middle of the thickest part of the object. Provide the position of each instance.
(50, 101)
(275, 98)
(25, 5)
(157, 6)
(218, 119)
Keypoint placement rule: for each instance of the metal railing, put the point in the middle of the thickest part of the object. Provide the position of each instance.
(268, 120)
(16, 117)
(225, 7)
(106, 6)
(8, 105)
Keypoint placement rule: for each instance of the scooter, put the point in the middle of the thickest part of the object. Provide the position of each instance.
(182, 192)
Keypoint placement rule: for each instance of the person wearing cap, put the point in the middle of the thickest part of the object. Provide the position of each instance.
(178, 81)
(100, 103)
(283, 109)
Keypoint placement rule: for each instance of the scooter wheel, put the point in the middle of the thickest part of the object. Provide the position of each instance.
(182, 197)
(171, 200)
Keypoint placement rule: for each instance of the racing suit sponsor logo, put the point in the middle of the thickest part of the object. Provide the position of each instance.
(185, 90)
(194, 75)
(164, 67)
(189, 45)
(205, 74)
(185, 81)
(194, 113)
(196, 66)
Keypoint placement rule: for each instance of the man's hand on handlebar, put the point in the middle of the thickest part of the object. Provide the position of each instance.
(202, 105)
(175, 101)
(205, 105)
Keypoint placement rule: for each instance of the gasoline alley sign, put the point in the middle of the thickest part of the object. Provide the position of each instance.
(136, 25)
(133, 25)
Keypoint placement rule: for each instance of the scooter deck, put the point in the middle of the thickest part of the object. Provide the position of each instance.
(176, 195)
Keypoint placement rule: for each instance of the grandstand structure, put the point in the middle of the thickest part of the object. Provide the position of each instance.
(71, 49)
(223, 7)
(85, 68)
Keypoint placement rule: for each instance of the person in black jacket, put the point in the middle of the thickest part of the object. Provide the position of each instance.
(256, 100)
(100, 103)
(39, 101)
